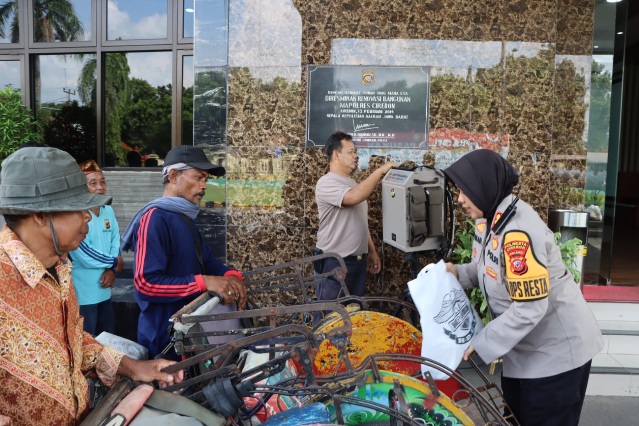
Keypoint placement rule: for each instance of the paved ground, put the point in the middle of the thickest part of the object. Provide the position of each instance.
(610, 410)
(597, 411)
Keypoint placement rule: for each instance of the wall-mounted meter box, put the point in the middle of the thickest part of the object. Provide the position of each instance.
(413, 209)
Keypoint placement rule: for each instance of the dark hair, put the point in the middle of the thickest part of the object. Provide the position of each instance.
(134, 158)
(334, 143)
(12, 220)
(151, 162)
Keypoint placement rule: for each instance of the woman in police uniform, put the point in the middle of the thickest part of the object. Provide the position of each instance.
(541, 324)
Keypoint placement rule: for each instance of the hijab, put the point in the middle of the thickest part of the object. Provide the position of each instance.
(485, 177)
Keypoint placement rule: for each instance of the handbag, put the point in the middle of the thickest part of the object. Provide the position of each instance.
(449, 321)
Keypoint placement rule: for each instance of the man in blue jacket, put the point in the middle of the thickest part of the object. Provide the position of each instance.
(172, 265)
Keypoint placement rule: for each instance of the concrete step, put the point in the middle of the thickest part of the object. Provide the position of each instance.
(615, 371)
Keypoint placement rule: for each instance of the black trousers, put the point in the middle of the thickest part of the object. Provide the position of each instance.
(549, 401)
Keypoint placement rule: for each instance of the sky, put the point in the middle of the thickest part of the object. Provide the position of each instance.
(126, 19)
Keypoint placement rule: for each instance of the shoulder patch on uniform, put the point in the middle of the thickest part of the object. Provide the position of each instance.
(527, 278)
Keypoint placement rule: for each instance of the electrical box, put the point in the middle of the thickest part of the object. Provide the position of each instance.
(413, 209)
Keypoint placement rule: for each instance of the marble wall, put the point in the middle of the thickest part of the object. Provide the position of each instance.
(518, 69)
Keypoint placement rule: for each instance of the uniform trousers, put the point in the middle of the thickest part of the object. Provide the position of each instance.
(548, 401)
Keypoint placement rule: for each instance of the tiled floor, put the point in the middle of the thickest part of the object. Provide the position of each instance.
(616, 367)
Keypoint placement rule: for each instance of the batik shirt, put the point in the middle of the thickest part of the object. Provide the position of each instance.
(44, 352)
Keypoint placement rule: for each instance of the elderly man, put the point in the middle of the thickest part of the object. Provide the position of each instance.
(97, 261)
(44, 353)
(343, 218)
(172, 265)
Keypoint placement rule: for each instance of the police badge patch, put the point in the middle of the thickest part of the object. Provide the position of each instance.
(527, 278)
(368, 77)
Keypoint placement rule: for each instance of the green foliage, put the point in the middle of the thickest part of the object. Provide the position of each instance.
(571, 196)
(569, 251)
(463, 253)
(72, 128)
(594, 197)
(17, 125)
(146, 123)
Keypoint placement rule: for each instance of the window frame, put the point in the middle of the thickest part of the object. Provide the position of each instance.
(169, 39)
(26, 49)
(46, 44)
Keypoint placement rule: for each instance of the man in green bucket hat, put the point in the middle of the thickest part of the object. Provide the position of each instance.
(44, 353)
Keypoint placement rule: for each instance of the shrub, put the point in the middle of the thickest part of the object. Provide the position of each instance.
(17, 125)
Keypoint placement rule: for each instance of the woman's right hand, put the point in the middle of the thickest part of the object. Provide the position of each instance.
(450, 267)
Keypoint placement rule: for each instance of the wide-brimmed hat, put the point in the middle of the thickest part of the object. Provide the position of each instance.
(44, 180)
(194, 157)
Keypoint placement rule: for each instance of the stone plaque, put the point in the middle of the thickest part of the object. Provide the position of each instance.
(382, 107)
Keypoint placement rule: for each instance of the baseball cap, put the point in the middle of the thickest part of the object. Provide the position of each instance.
(194, 157)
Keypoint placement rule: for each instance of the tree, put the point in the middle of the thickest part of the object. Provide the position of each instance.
(7, 11)
(147, 120)
(16, 123)
(72, 128)
(53, 20)
(116, 84)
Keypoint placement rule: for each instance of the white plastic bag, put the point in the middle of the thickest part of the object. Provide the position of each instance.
(448, 320)
(128, 347)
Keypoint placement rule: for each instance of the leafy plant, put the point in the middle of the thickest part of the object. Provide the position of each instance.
(17, 125)
(569, 251)
(462, 253)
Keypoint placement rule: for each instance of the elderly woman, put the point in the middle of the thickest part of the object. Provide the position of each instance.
(44, 353)
(541, 324)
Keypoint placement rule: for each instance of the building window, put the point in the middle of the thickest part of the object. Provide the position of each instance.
(187, 100)
(66, 102)
(10, 22)
(103, 78)
(61, 21)
(10, 72)
(137, 20)
(138, 105)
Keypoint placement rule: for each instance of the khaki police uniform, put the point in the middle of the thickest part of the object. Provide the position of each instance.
(541, 325)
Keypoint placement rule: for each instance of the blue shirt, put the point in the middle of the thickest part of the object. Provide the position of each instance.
(167, 273)
(98, 252)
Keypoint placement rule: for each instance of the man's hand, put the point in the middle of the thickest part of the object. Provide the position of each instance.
(229, 288)
(239, 291)
(387, 166)
(374, 263)
(107, 279)
(148, 371)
